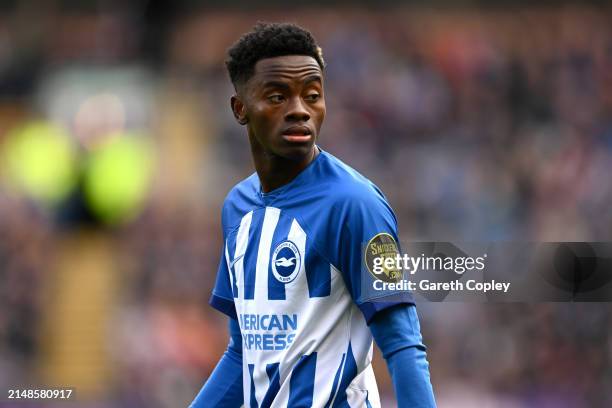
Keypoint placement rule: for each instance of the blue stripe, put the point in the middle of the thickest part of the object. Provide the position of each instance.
(348, 374)
(318, 273)
(276, 289)
(368, 405)
(250, 256)
(274, 378)
(335, 384)
(301, 386)
(253, 397)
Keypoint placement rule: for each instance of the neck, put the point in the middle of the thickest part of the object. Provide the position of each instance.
(275, 171)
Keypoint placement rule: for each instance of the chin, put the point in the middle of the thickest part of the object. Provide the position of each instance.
(297, 152)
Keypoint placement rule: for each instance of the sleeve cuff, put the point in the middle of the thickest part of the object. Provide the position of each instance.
(369, 309)
(225, 306)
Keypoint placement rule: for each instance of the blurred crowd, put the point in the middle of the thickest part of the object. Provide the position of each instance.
(478, 125)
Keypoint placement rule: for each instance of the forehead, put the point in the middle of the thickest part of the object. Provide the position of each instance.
(287, 67)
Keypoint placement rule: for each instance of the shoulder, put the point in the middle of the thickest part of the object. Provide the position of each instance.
(348, 188)
(350, 204)
(240, 200)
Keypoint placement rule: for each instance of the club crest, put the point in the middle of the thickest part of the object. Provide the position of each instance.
(286, 262)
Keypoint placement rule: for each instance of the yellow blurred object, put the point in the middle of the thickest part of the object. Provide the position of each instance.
(81, 292)
(40, 160)
(118, 177)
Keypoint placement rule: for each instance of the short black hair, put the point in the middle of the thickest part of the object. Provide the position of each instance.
(268, 40)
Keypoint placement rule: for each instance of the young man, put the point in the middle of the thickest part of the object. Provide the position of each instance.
(291, 273)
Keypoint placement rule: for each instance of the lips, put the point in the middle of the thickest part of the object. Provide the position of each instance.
(297, 134)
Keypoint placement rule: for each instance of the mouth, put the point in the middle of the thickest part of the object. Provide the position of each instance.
(297, 134)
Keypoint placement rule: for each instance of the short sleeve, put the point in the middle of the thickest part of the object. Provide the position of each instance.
(222, 297)
(368, 226)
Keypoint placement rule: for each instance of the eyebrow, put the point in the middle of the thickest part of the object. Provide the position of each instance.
(275, 84)
(313, 78)
(284, 85)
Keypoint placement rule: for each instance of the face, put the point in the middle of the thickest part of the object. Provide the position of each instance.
(283, 106)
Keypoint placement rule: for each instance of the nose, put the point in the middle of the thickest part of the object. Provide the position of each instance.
(296, 110)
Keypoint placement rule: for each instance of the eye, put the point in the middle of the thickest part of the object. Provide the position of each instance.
(276, 98)
(313, 97)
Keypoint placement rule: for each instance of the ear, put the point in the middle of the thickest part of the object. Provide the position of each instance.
(239, 110)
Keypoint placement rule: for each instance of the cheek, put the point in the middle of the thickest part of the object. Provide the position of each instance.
(255, 112)
(268, 117)
(264, 119)
(320, 114)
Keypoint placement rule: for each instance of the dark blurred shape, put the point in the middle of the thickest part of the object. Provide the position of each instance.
(582, 267)
(159, 18)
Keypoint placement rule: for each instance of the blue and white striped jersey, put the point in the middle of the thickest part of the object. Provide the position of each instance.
(291, 274)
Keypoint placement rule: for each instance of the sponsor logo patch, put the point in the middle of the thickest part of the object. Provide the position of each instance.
(379, 249)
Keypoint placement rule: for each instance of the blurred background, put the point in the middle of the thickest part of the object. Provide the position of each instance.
(479, 120)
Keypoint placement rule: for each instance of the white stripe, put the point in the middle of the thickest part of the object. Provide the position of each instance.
(241, 245)
(330, 362)
(263, 253)
(299, 287)
(282, 398)
(362, 346)
(246, 383)
(270, 221)
(372, 387)
(229, 268)
(337, 339)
